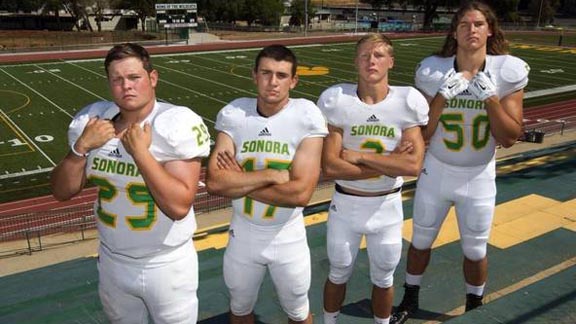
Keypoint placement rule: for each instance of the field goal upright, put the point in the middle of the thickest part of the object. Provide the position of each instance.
(180, 18)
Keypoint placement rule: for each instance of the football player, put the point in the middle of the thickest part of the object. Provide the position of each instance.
(144, 157)
(475, 91)
(374, 139)
(267, 158)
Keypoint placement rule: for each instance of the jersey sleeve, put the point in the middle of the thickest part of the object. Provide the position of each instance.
(514, 75)
(418, 107)
(328, 104)
(429, 75)
(229, 117)
(183, 134)
(100, 109)
(316, 124)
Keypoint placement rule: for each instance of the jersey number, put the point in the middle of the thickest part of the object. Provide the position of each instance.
(248, 165)
(137, 194)
(454, 123)
(201, 134)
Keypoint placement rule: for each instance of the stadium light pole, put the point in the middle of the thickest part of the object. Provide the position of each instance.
(356, 25)
(539, 14)
(305, 18)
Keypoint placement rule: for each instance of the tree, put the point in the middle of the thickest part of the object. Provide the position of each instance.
(298, 12)
(142, 8)
(543, 11)
(429, 7)
(377, 5)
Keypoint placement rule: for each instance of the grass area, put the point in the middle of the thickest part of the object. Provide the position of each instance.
(37, 101)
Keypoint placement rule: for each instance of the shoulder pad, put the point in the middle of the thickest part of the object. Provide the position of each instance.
(329, 101)
(314, 120)
(430, 73)
(418, 105)
(233, 113)
(100, 109)
(182, 133)
(514, 69)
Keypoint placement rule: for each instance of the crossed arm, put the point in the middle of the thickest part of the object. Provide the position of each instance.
(405, 160)
(286, 188)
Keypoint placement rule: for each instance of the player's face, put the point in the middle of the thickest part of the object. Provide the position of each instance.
(131, 85)
(274, 81)
(373, 61)
(472, 31)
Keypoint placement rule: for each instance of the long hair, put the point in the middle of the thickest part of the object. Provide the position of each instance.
(278, 53)
(496, 44)
(122, 51)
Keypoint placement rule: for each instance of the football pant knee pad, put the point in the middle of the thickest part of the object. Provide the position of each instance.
(474, 248)
(383, 262)
(340, 274)
(423, 237)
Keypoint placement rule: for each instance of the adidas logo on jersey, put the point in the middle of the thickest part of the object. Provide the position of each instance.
(264, 132)
(333, 208)
(115, 153)
(373, 119)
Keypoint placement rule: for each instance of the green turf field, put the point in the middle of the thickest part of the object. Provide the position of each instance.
(37, 101)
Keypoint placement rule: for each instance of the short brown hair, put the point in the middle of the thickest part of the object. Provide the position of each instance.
(122, 51)
(278, 53)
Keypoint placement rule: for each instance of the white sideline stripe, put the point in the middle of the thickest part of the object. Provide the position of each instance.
(25, 173)
(36, 92)
(545, 92)
(27, 137)
(70, 82)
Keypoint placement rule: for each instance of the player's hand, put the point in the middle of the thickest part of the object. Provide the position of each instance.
(350, 156)
(482, 86)
(96, 133)
(136, 139)
(454, 83)
(405, 147)
(226, 161)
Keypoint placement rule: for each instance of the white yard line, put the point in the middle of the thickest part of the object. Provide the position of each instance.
(30, 141)
(70, 82)
(36, 92)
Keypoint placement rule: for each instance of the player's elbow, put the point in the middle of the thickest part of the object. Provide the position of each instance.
(178, 214)
(507, 143)
(329, 172)
(60, 196)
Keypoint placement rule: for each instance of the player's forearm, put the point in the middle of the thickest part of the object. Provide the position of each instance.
(337, 168)
(505, 129)
(170, 194)
(234, 184)
(394, 165)
(291, 194)
(68, 177)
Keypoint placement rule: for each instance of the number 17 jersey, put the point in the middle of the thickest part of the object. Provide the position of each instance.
(268, 143)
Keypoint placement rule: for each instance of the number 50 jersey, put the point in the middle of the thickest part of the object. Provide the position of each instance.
(268, 143)
(463, 136)
(129, 221)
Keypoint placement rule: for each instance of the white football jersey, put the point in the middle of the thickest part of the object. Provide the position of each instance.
(463, 136)
(373, 128)
(268, 142)
(129, 222)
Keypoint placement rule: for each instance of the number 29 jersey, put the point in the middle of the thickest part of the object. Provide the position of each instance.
(129, 222)
(268, 143)
(463, 136)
